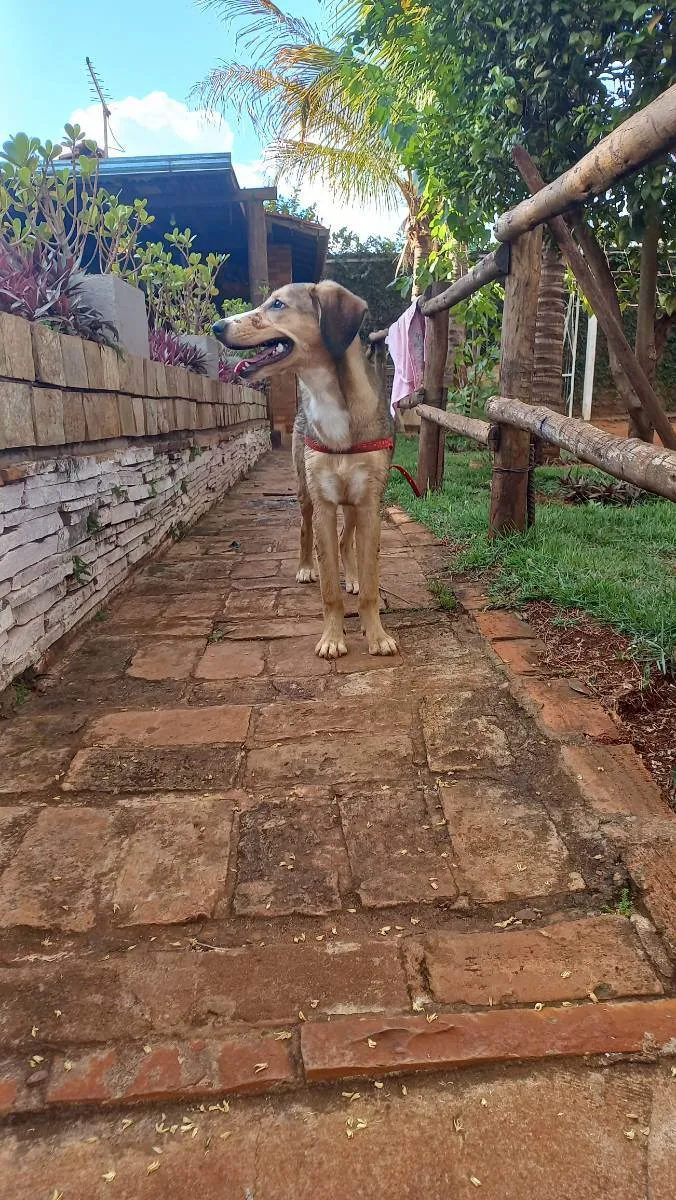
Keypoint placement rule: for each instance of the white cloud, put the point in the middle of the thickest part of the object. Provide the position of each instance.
(156, 124)
(363, 219)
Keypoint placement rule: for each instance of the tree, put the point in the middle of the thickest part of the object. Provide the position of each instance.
(322, 114)
(552, 75)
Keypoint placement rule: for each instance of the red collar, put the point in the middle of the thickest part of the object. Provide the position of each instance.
(358, 448)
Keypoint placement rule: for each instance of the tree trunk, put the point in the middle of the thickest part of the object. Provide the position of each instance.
(422, 244)
(647, 302)
(549, 331)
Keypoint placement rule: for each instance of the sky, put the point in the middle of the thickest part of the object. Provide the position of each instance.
(149, 54)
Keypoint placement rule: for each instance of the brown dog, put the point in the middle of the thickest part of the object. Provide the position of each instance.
(342, 441)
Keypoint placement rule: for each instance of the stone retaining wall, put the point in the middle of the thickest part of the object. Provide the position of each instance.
(102, 457)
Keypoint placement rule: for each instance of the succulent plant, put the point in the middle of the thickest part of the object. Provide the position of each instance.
(166, 347)
(36, 286)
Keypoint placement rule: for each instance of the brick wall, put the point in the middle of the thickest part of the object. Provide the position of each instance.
(102, 457)
(282, 387)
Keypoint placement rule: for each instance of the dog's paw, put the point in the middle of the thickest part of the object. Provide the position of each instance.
(330, 647)
(382, 643)
(306, 575)
(352, 585)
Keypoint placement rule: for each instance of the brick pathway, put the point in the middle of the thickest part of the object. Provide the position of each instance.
(229, 868)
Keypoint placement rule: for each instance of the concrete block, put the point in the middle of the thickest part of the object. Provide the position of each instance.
(16, 348)
(48, 416)
(48, 356)
(123, 305)
(16, 416)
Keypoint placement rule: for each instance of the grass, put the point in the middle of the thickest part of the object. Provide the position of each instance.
(617, 564)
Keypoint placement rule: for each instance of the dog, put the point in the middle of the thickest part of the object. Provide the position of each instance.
(342, 441)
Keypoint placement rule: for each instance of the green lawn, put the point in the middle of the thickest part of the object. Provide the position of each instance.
(616, 563)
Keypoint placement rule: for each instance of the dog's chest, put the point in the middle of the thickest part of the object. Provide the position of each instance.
(341, 481)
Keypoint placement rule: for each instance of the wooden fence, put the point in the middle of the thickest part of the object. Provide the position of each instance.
(514, 422)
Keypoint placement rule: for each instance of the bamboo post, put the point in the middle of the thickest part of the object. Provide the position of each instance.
(430, 447)
(589, 285)
(509, 486)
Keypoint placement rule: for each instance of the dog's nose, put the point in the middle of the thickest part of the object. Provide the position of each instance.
(218, 328)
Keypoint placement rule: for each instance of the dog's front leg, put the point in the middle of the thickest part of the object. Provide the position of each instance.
(332, 642)
(306, 569)
(368, 546)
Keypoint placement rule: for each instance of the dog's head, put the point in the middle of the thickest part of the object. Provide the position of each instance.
(299, 325)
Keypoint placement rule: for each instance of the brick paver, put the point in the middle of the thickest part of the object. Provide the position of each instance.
(228, 866)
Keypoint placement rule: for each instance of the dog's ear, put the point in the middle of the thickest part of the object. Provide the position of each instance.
(340, 315)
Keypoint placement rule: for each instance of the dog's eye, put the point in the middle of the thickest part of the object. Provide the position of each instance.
(278, 304)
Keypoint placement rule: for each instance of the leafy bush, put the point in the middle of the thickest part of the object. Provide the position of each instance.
(166, 347)
(179, 284)
(35, 286)
(50, 196)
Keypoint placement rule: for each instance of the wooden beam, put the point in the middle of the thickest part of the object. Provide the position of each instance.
(637, 462)
(590, 287)
(244, 195)
(491, 266)
(257, 239)
(431, 444)
(509, 484)
(456, 423)
(636, 142)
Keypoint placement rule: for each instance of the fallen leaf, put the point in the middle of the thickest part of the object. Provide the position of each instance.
(371, 1043)
(147, 1049)
(282, 1036)
(67, 1066)
(109, 1176)
(260, 1067)
(565, 974)
(153, 1166)
(474, 1181)
(125, 1123)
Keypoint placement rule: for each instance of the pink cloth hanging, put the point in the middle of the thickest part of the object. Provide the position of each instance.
(406, 343)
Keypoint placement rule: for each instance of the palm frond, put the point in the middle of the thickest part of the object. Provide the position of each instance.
(269, 26)
(354, 176)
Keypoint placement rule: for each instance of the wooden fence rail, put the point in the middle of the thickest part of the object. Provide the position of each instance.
(649, 467)
(456, 423)
(638, 141)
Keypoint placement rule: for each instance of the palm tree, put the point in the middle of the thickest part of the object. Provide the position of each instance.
(549, 330)
(320, 112)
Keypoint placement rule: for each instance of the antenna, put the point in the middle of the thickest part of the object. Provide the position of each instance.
(98, 87)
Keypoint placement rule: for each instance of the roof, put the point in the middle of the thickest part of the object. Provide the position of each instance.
(201, 192)
(169, 164)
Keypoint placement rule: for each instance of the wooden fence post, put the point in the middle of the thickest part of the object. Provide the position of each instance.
(431, 445)
(509, 488)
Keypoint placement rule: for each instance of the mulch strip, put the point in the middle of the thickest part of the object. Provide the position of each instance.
(599, 658)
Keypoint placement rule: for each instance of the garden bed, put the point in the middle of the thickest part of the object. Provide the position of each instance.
(596, 583)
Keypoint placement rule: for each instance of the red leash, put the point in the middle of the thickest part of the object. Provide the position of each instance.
(408, 477)
(364, 448)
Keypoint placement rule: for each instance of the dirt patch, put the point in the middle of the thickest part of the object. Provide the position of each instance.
(599, 658)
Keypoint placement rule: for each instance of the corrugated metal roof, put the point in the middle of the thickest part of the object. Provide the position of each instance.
(174, 164)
